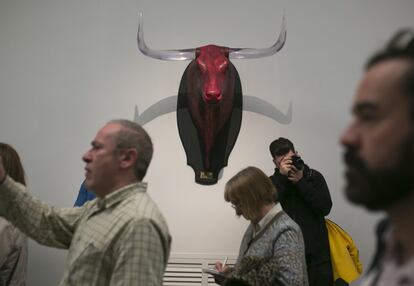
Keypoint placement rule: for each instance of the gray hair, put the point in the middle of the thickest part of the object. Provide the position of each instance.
(132, 135)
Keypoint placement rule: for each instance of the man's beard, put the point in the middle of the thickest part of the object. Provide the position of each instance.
(378, 190)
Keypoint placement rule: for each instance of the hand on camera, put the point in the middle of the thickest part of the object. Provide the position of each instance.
(295, 175)
(285, 166)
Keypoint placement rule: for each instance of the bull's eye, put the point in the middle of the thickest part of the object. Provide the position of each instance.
(222, 66)
(201, 65)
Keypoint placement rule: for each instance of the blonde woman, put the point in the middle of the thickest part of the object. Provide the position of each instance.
(272, 251)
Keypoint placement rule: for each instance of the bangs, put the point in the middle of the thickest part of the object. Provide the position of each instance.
(250, 188)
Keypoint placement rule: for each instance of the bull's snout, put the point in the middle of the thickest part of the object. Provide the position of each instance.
(212, 88)
(213, 96)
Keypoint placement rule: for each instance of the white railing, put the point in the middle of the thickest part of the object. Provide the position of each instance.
(185, 269)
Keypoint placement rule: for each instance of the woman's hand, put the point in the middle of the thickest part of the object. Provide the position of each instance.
(219, 267)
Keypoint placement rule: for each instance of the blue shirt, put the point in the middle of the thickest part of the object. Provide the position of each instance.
(84, 196)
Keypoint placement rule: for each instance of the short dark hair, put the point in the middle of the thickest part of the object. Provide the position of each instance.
(281, 146)
(400, 46)
(132, 135)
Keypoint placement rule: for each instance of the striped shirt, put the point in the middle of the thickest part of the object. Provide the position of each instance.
(121, 239)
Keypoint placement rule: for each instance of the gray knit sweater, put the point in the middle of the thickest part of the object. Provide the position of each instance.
(276, 256)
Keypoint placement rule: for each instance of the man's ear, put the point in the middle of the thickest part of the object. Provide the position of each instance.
(128, 158)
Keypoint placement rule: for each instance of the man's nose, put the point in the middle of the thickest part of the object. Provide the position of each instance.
(349, 136)
(86, 157)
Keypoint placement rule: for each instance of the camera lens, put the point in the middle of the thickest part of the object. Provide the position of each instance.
(298, 162)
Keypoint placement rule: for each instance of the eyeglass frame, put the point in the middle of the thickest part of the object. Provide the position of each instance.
(236, 205)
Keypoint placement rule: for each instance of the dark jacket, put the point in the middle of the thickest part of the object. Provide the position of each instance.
(381, 229)
(307, 202)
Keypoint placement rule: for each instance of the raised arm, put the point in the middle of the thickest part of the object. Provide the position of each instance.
(47, 225)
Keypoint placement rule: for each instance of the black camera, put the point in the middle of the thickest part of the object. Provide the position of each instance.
(297, 162)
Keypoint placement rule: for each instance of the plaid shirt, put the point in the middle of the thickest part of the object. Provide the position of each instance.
(121, 239)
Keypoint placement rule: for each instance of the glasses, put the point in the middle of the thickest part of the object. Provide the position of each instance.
(236, 205)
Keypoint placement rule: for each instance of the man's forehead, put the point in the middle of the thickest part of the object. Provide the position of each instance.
(381, 85)
(107, 131)
(111, 127)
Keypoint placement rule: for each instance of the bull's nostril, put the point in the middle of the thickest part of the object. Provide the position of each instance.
(212, 99)
(213, 94)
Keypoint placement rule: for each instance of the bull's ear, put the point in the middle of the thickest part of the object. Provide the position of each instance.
(197, 52)
(128, 158)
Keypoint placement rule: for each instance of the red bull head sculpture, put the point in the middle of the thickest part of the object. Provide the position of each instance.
(210, 103)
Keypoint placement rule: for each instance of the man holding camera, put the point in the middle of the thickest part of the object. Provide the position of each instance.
(304, 196)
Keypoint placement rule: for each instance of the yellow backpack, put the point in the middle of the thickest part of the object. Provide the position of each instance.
(344, 253)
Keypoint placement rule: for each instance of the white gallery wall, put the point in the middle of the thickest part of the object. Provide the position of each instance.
(67, 67)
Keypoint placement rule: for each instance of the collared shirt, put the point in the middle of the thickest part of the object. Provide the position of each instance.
(121, 239)
(266, 219)
(392, 272)
(275, 256)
